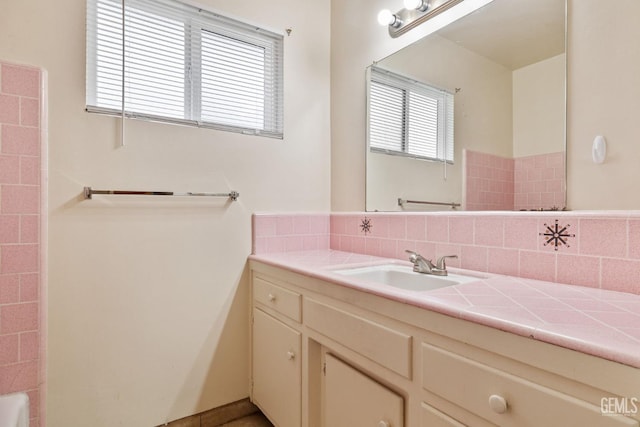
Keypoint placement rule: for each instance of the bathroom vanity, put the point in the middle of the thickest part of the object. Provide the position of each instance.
(329, 350)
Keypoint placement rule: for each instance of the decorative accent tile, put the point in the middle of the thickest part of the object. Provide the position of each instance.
(557, 235)
(366, 225)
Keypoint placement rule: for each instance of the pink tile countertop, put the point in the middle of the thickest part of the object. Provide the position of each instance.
(593, 321)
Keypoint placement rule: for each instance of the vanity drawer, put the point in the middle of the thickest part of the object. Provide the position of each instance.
(282, 300)
(505, 399)
(383, 345)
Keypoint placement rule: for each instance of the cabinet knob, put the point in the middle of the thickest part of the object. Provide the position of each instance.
(272, 297)
(498, 404)
(291, 355)
(384, 423)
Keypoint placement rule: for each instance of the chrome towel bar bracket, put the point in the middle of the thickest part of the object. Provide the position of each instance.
(89, 192)
(453, 205)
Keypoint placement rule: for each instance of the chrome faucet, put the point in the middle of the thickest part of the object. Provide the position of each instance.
(423, 265)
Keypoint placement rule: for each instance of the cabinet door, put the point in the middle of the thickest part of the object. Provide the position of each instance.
(351, 399)
(431, 417)
(276, 368)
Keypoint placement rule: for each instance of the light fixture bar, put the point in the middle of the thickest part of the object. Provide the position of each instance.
(410, 18)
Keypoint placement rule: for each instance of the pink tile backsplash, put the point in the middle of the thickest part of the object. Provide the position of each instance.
(524, 183)
(488, 181)
(287, 232)
(539, 181)
(604, 237)
(600, 249)
(21, 305)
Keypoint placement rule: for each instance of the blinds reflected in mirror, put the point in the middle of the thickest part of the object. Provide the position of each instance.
(409, 118)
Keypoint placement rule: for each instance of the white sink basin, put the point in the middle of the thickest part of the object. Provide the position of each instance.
(403, 277)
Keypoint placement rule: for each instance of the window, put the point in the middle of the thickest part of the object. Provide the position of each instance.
(409, 118)
(184, 65)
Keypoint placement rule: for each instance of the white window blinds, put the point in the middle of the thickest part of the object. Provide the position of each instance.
(183, 64)
(409, 118)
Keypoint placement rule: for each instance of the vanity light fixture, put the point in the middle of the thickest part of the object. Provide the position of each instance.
(415, 13)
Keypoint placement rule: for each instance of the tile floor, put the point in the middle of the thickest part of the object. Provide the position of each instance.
(242, 413)
(254, 420)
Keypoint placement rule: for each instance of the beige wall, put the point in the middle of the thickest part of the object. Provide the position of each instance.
(603, 99)
(148, 298)
(539, 107)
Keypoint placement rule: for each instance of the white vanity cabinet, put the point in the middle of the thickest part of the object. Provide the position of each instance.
(276, 350)
(326, 355)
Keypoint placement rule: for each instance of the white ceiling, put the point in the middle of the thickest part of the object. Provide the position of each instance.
(514, 33)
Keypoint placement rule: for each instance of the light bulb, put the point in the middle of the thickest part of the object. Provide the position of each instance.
(420, 5)
(385, 17)
(412, 4)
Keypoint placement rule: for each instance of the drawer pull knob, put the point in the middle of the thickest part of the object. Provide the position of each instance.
(272, 297)
(383, 423)
(498, 404)
(291, 355)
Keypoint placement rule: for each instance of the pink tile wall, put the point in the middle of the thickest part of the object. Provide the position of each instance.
(21, 300)
(290, 232)
(595, 249)
(540, 181)
(602, 249)
(488, 181)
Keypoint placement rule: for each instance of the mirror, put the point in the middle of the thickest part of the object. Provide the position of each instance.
(505, 65)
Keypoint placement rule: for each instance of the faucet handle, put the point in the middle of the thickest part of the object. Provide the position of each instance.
(441, 264)
(414, 256)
